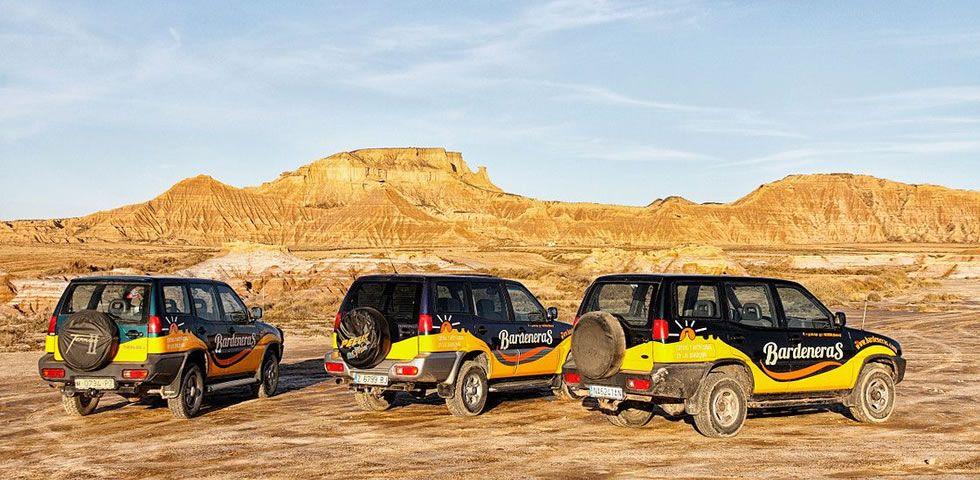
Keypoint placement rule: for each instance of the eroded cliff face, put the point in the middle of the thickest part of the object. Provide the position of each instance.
(430, 197)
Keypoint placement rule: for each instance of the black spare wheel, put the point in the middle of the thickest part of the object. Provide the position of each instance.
(598, 345)
(88, 340)
(363, 337)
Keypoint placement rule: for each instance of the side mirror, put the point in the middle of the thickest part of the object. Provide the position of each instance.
(256, 313)
(840, 319)
(552, 314)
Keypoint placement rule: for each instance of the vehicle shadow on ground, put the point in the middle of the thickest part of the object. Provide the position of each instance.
(292, 377)
(493, 401)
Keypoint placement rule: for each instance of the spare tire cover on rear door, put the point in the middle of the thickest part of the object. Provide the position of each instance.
(363, 337)
(88, 340)
(598, 345)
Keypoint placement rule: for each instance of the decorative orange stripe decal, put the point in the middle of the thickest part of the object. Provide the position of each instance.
(797, 374)
(227, 362)
(523, 356)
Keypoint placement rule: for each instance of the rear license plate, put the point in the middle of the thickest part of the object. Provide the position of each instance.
(95, 383)
(368, 379)
(602, 391)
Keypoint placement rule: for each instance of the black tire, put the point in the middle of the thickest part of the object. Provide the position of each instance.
(598, 345)
(470, 390)
(79, 405)
(88, 340)
(722, 406)
(268, 377)
(188, 401)
(873, 397)
(631, 416)
(371, 402)
(364, 338)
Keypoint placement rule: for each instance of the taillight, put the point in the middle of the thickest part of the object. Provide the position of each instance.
(153, 325)
(52, 324)
(334, 367)
(135, 374)
(641, 384)
(406, 370)
(573, 378)
(660, 329)
(425, 323)
(575, 322)
(53, 372)
(336, 321)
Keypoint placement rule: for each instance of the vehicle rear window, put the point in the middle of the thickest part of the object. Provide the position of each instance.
(629, 301)
(124, 302)
(398, 301)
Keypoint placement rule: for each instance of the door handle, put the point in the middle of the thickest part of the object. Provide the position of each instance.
(481, 330)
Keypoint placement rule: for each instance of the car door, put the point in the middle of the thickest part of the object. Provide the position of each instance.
(210, 325)
(753, 328)
(493, 326)
(178, 318)
(236, 349)
(817, 352)
(535, 335)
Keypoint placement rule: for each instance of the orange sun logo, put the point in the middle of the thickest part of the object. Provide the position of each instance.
(689, 330)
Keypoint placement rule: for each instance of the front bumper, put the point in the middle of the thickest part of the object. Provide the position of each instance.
(435, 367)
(677, 381)
(162, 369)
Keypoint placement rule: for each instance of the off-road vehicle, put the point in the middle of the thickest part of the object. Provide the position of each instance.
(144, 336)
(462, 336)
(714, 346)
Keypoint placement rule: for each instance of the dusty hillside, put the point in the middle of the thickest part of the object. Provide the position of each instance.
(405, 197)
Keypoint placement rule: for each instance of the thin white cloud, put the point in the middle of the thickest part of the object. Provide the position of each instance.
(861, 151)
(924, 98)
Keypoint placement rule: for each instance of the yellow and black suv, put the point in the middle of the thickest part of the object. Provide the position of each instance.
(139, 336)
(715, 346)
(462, 336)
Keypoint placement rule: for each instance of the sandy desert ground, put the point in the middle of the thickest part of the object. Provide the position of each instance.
(312, 429)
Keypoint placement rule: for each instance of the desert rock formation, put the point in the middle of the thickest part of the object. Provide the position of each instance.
(425, 197)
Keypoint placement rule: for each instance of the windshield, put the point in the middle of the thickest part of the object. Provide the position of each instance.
(125, 302)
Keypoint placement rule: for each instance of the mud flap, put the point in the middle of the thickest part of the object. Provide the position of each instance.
(173, 389)
(445, 389)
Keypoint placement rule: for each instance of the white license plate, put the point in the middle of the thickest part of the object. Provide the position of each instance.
(368, 379)
(95, 383)
(602, 391)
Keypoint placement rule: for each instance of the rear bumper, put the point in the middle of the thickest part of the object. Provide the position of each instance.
(678, 381)
(162, 369)
(435, 367)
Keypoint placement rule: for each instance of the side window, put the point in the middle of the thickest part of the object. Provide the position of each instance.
(452, 297)
(696, 300)
(489, 302)
(233, 307)
(205, 305)
(175, 300)
(631, 301)
(801, 311)
(750, 305)
(526, 308)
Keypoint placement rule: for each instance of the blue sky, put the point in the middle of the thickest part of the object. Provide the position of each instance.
(107, 103)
